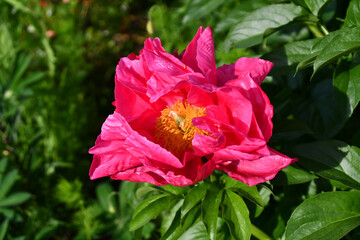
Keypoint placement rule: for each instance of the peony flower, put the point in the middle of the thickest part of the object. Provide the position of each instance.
(178, 118)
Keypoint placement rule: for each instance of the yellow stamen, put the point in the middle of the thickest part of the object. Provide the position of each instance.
(174, 128)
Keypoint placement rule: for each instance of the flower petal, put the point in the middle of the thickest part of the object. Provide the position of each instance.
(256, 68)
(251, 168)
(200, 56)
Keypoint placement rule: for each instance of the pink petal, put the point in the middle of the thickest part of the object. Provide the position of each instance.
(251, 168)
(256, 68)
(261, 106)
(200, 56)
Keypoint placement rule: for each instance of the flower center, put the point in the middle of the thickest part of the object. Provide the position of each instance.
(174, 128)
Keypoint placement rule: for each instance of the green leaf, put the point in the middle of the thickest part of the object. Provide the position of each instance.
(347, 85)
(150, 209)
(333, 160)
(3, 228)
(197, 9)
(15, 199)
(291, 175)
(313, 5)
(250, 30)
(196, 231)
(329, 215)
(174, 190)
(343, 43)
(317, 108)
(210, 209)
(3, 164)
(8, 181)
(18, 5)
(287, 56)
(353, 14)
(245, 190)
(236, 215)
(105, 194)
(195, 195)
(174, 231)
(289, 129)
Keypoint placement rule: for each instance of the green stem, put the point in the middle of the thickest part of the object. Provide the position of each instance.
(324, 30)
(256, 232)
(317, 33)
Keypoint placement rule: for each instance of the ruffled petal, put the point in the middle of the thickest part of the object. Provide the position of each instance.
(256, 68)
(251, 168)
(200, 55)
(261, 106)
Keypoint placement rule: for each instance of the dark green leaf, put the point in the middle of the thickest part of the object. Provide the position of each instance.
(313, 5)
(318, 109)
(3, 164)
(174, 231)
(353, 14)
(174, 190)
(195, 195)
(250, 30)
(347, 85)
(290, 129)
(3, 228)
(332, 159)
(329, 215)
(197, 9)
(343, 43)
(290, 54)
(245, 190)
(150, 209)
(236, 215)
(210, 209)
(15, 199)
(196, 231)
(8, 181)
(291, 175)
(105, 194)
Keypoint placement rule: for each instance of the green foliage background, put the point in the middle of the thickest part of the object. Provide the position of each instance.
(57, 62)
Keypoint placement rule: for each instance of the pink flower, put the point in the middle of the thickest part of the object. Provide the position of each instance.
(178, 118)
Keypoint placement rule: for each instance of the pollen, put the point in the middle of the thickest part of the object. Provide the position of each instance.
(174, 128)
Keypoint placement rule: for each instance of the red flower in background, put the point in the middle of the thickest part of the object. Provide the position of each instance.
(178, 118)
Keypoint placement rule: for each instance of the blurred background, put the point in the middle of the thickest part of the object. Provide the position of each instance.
(57, 65)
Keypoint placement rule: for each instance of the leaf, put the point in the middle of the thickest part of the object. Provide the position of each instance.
(353, 14)
(290, 54)
(313, 5)
(343, 43)
(195, 195)
(3, 164)
(150, 209)
(3, 228)
(174, 231)
(174, 190)
(199, 8)
(105, 194)
(15, 199)
(317, 108)
(236, 215)
(8, 181)
(333, 160)
(18, 5)
(250, 30)
(347, 85)
(329, 215)
(245, 190)
(291, 175)
(196, 231)
(210, 209)
(290, 129)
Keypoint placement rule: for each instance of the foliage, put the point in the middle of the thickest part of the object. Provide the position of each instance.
(57, 61)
